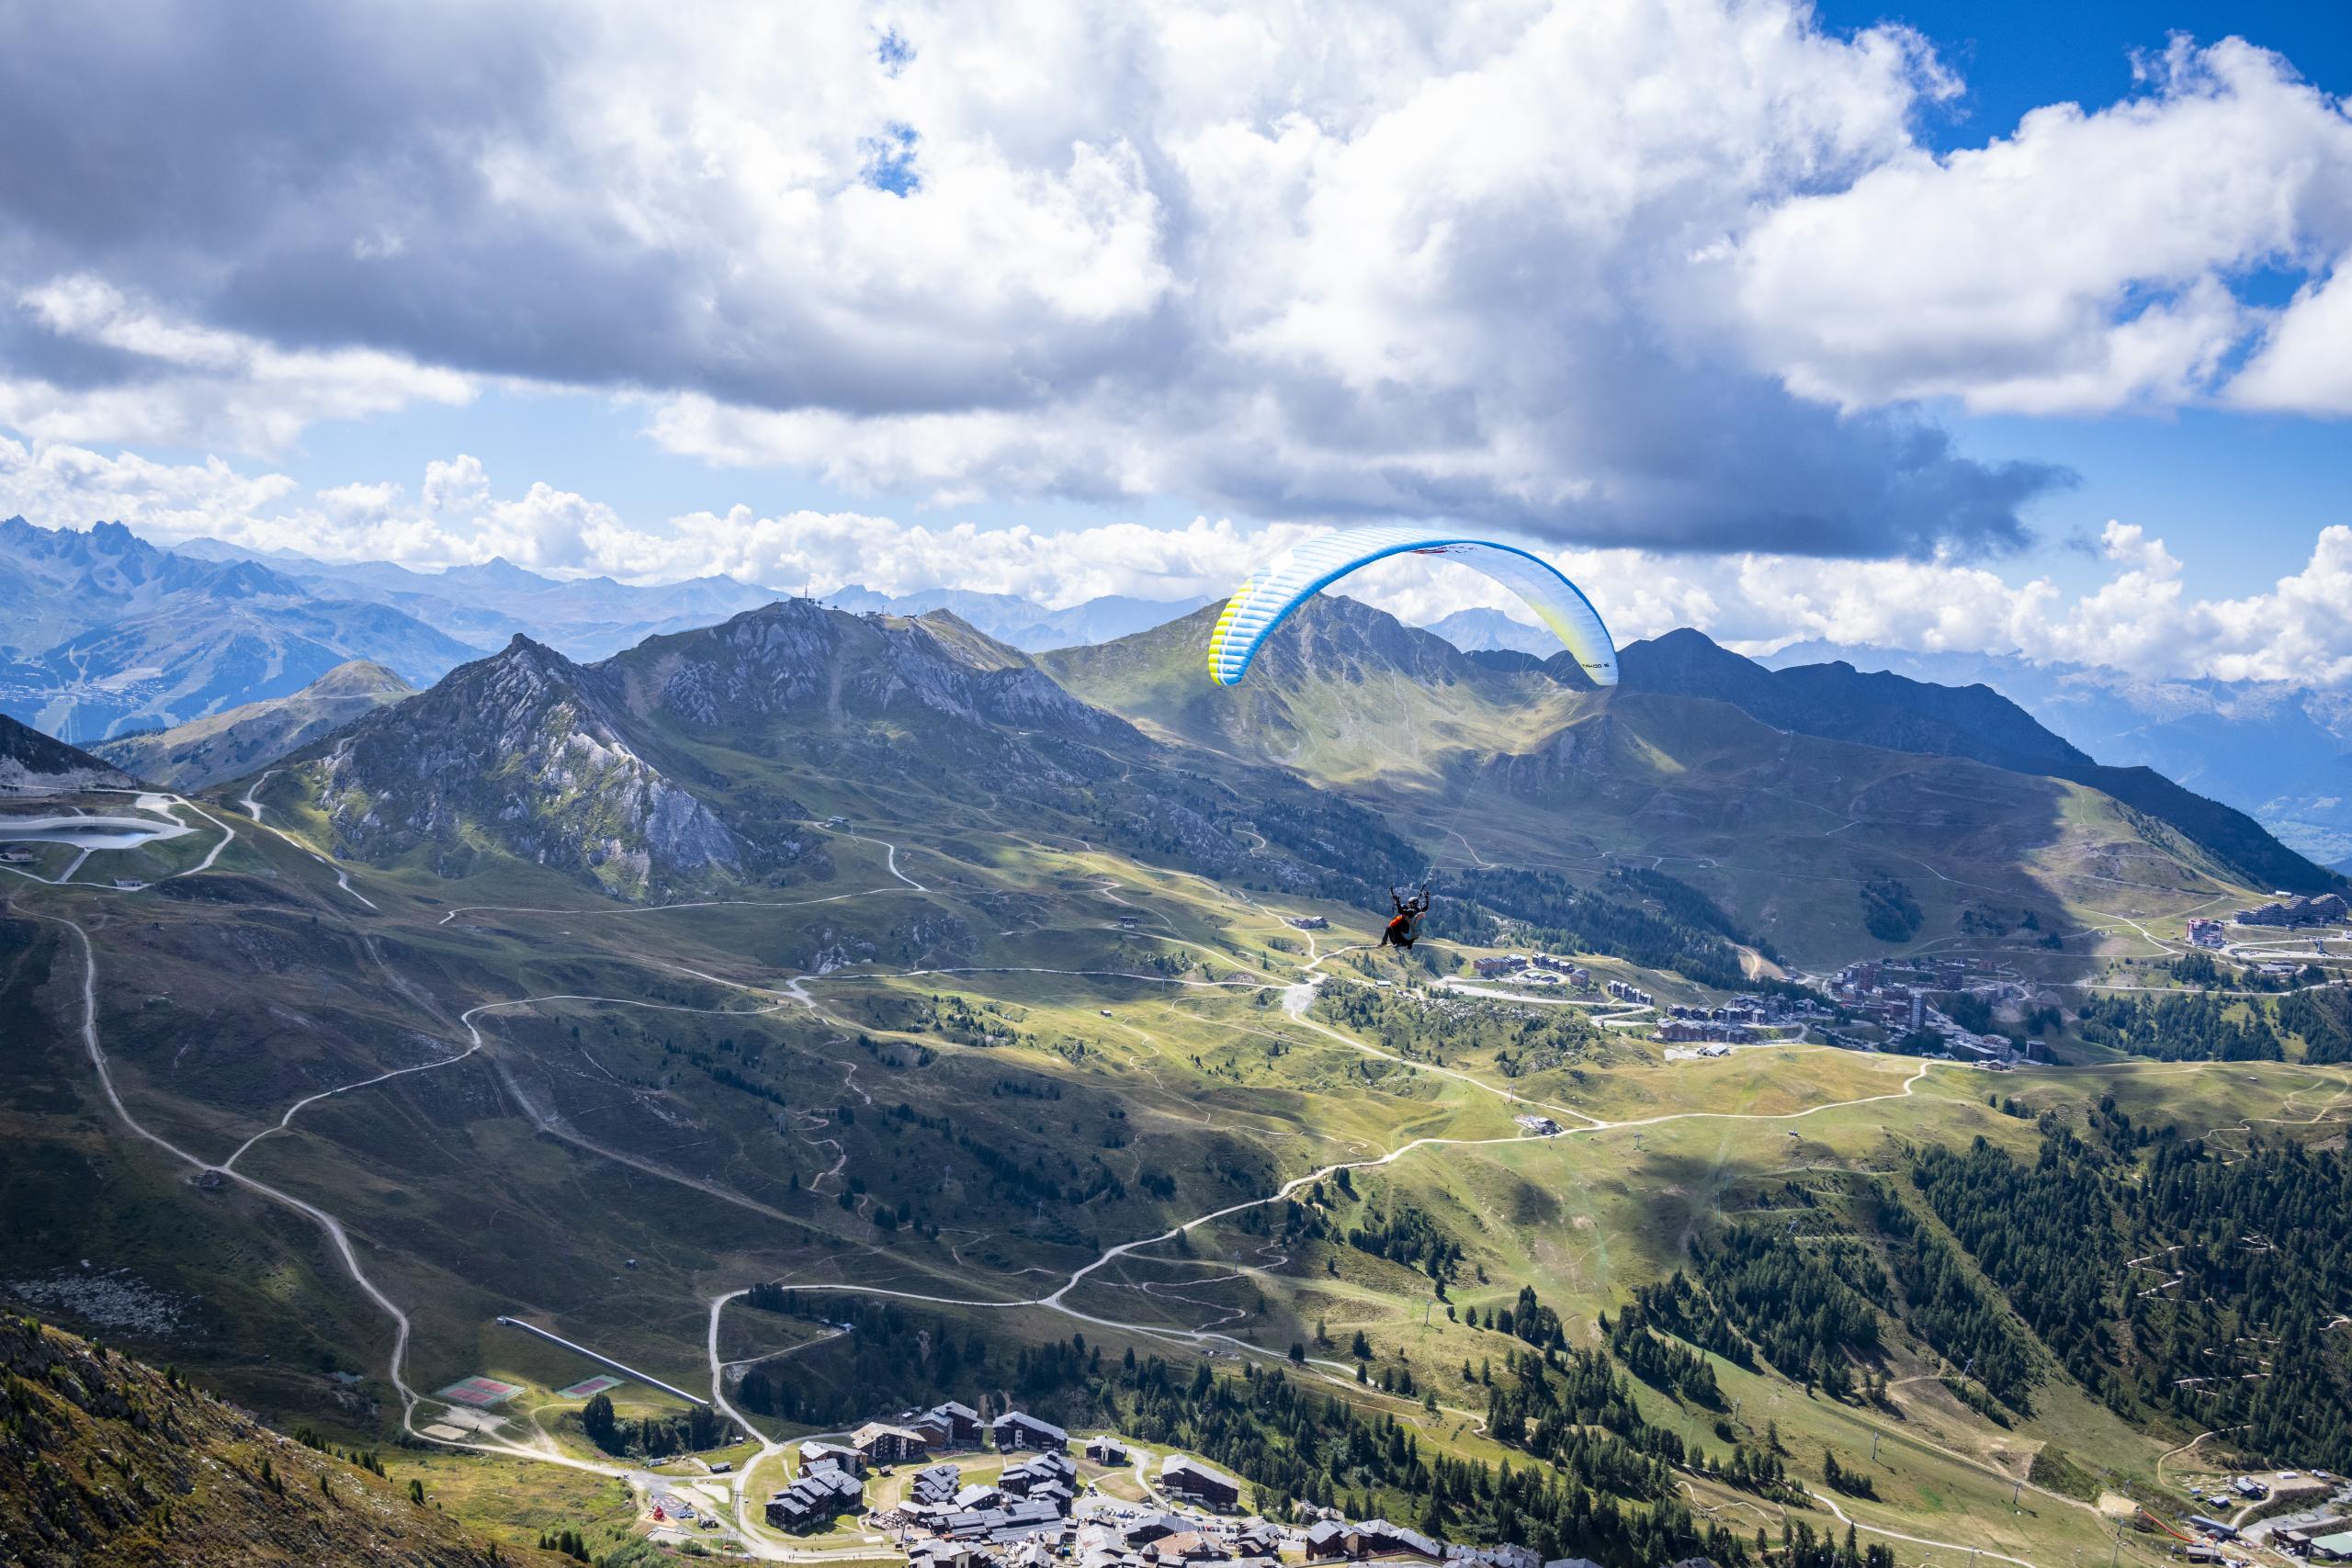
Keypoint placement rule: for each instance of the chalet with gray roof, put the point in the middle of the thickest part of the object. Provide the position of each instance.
(1016, 1432)
(1197, 1483)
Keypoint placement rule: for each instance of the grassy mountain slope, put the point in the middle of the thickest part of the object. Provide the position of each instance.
(1494, 757)
(2279, 752)
(1342, 693)
(245, 739)
(649, 1089)
(105, 1463)
(1883, 709)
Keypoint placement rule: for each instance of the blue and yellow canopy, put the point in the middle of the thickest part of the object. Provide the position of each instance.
(1289, 579)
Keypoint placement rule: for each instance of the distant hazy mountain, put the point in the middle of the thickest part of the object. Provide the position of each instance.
(1024, 625)
(239, 741)
(2281, 753)
(594, 618)
(487, 603)
(1482, 631)
(107, 633)
(1897, 712)
(34, 764)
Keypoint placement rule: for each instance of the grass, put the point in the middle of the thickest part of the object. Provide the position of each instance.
(516, 1500)
(491, 1186)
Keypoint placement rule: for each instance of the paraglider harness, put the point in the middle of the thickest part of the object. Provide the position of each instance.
(1404, 929)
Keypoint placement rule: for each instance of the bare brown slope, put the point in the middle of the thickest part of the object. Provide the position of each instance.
(105, 1462)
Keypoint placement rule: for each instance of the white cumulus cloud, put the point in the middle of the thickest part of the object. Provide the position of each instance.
(2145, 616)
(2084, 263)
(176, 382)
(1659, 273)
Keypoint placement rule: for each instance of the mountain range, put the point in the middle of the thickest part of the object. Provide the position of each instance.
(1896, 712)
(706, 758)
(239, 660)
(594, 618)
(2277, 751)
(712, 759)
(107, 633)
(2280, 752)
(1352, 695)
(110, 637)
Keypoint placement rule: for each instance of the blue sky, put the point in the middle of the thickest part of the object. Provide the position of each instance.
(2211, 483)
(1767, 317)
(2016, 57)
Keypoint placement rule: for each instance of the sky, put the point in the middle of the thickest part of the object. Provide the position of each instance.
(2016, 329)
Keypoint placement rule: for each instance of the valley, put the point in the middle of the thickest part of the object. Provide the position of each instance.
(1084, 1035)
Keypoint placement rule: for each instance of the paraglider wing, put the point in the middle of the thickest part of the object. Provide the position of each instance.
(1295, 575)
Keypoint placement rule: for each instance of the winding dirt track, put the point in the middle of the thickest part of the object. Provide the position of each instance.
(1055, 1300)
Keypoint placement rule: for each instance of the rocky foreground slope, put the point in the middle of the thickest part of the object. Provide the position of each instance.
(105, 1463)
(34, 764)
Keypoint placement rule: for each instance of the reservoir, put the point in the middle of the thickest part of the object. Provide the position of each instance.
(89, 832)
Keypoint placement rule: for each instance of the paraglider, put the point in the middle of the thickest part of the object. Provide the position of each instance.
(1297, 574)
(1406, 928)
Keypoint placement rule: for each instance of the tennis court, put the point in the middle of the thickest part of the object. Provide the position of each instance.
(589, 1388)
(481, 1392)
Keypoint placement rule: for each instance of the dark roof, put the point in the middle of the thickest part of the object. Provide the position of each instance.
(1179, 1472)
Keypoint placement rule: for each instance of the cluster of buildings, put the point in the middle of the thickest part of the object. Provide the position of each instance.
(1860, 985)
(1030, 1500)
(1115, 1535)
(1118, 1537)
(827, 1485)
(2303, 909)
(1743, 1020)
(2314, 1526)
(1533, 969)
(2211, 935)
(1679, 1032)
(833, 1475)
(1030, 1515)
(1038, 1513)
(2323, 1538)
(1630, 993)
(1895, 997)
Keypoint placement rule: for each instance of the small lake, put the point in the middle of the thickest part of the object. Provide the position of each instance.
(89, 832)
